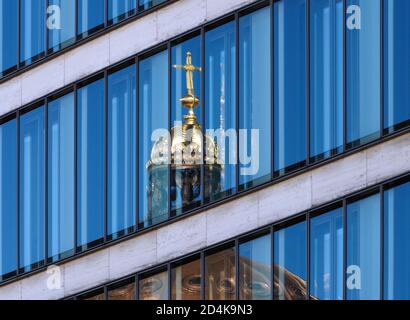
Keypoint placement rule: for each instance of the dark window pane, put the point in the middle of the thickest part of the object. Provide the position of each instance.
(326, 87)
(90, 164)
(90, 16)
(154, 287)
(186, 281)
(120, 9)
(146, 4)
(8, 34)
(121, 150)
(153, 177)
(255, 155)
(60, 23)
(8, 184)
(96, 295)
(220, 275)
(290, 263)
(61, 177)
(32, 188)
(220, 112)
(186, 192)
(363, 72)
(255, 269)
(363, 249)
(290, 83)
(396, 62)
(397, 243)
(124, 291)
(326, 256)
(32, 27)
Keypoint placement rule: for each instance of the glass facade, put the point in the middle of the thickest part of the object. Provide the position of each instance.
(90, 164)
(186, 281)
(290, 84)
(32, 187)
(90, 16)
(122, 291)
(61, 177)
(154, 287)
(8, 35)
(60, 24)
(255, 108)
(120, 9)
(8, 199)
(121, 151)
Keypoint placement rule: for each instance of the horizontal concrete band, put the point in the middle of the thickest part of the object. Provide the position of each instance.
(111, 48)
(295, 195)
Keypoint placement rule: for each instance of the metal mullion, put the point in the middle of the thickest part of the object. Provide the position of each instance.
(308, 255)
(105, 14)
(169, 281)
(344, 79)
(344, 247)
(202, 271)
(381, 68)
(18, 193)
(237, 103)
(76, 19)
(105, 179)
(75, 167)
(106, 292)
(137, 287)
(382, 242)
(272, 253)
(203, 113)
(272, 48)
(237, 264)
(307, 79)
(46, 36)
(18, 33)
(169, 127)
(137, 144)
(46, 182)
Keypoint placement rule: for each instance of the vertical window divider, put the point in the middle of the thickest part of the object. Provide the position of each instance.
(46, 181)
(18, 192)
(237, 98)
(344, 78)
(76, 19)
(202, 272)
(18, 35)
(381, 68)
(105, 156)
(381, 242)
(136, 11)
(170, 214)
(308, 255)
(75, 166)
(105, 293)
(46, 29)
(344, 248)
(272, 253)
(272, 71)
(105, 13)
(169, 281)
(307, 82)
(203, 122)
(137, 144)
(237, 291)
(137, 287)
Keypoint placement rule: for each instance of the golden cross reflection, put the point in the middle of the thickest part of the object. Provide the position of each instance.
(189, 68)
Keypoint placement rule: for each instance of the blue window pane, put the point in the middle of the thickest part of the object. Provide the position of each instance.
(220, 121)
(90, 164)
(146, 4)
(153, 101)
(32, 129)
(290, 84)
(186, 192)
(363, 71)
(120, 9)
(8, 184)
(32, 28)
(60, 23)
(326, 66)
(290, 263)
(61, 177)
(90, 16)
(255, 269)
(326, 256)
(397, 243)
(363, 249)
(121, 150)
(255, 118)
(8, 34)
(396, 63)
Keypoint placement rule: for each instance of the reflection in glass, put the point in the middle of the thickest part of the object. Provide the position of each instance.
(363, 73)
(255, 279)
(120, 9)
(153, 101)
(90, 16)
(396, 63)
(8, 184)
(8, 35)
(186, 281)
(90, 164)
(185, 196)
(61, 24)
(397, 243)
(124, 291)
(255, 98)
(121, 150)
(154, 287)
(220, 105)
(290, 263)
(363, 249)
(290, 84)
(61, 177)
(326, 256)
(146, 4)
(326, 66)
(220, 275)
(31, 217)
(33, 28)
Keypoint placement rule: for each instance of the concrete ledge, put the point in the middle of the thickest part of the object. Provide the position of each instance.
(266, 206)
(110, 48)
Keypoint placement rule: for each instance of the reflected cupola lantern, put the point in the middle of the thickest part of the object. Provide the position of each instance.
(183, 157)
